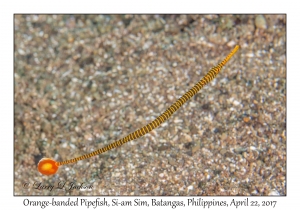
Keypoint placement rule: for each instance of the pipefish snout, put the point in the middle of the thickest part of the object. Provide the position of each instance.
(49, 166)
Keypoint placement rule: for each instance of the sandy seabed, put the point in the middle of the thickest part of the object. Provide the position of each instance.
(84, 81)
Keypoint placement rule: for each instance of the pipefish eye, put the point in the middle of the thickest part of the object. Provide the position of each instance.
(48, 166)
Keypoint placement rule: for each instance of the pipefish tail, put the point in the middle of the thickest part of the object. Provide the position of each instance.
(49, 166)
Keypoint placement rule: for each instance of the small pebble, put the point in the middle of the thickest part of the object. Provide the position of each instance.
(260, 22)
(246, 119)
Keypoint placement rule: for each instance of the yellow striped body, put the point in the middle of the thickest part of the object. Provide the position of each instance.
(163, 117)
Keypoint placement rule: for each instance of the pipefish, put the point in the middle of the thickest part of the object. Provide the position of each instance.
(48, 166)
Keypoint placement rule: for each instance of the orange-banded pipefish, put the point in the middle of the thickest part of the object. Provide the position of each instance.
(49, 166)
